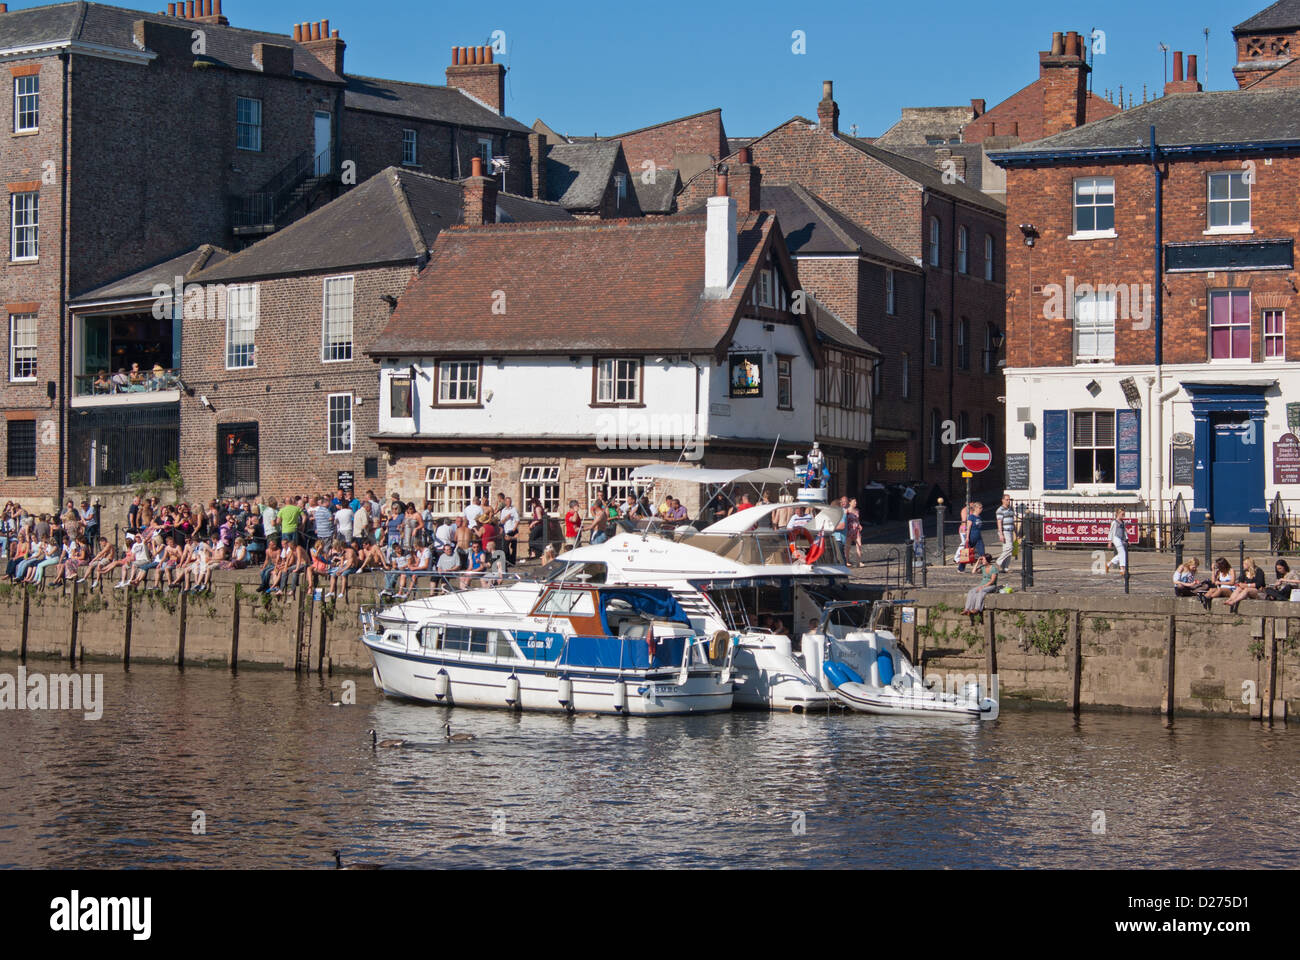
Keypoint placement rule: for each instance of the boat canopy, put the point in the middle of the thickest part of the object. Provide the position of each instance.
(648, 602)
(825, 517)
(778, 475)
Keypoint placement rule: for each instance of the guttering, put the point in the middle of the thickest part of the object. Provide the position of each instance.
(80, 47)
(1035, 158)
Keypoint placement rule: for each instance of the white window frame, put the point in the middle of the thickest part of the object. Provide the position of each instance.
(989, 254)
(786, 363)
(248, 131)
(1094, 317)
(410, 148)
(1249, 325)
(346, 427)
(616, 481)
(1279, 336)
(935, 243)
(241, 326)
(33, 96)
(332, 349)
(485, 151)
(451, 489)
(25, 230)
(1093, 446)
(963, 250)
(615, 372)
(27, 351)
(1092, 187)
(1236, 179)
(765, 298)
(891, 302)
(464, 375)
(539, 482)
(620, 189)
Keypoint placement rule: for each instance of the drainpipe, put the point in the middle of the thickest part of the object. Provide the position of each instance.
(1159, 318)
(696, 421)
(65, 362)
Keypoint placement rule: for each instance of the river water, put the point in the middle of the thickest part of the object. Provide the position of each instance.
(282, 778)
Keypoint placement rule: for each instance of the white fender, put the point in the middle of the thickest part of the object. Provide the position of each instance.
(566, 693)
(512, 691)
(441, 685)
(374, 675)
(620, 696)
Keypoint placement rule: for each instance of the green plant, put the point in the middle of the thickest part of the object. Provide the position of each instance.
(1047, 633)
(1256, 649)
(142, 476)
(1100, 625)
(174, 477)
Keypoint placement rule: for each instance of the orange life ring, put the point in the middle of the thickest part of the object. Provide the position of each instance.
(794, 535)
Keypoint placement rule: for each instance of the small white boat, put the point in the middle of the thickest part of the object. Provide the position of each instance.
(568, 647)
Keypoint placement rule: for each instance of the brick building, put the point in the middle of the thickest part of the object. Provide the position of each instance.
(277, 393)
(551, 360)
(950, 232)
(256, 130)
(1147, 350)
(1268, 47)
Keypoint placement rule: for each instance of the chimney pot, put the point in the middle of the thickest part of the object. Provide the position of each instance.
(1058, 43)
(189, 9)
(171, 9)
(324, 29)
(334, 35)
(476, 167)
(977, 107)
(722, 185)
(1072, 48)
(487, 52)
(827, 89)
(455, 56)
(315, 30)
(1178, 66)
(473, 55)
(207, 8)
(745, 155)
(297, 33)
(219, 8)
(1191, 66)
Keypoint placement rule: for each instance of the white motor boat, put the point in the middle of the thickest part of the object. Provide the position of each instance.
(564, 646)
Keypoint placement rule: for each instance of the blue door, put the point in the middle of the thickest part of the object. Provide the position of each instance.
(1237, 475)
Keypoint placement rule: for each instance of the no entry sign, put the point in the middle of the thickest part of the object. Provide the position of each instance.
(975, 457)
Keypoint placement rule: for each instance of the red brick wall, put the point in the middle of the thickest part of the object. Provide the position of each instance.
(1256, 48)
(699, 134)
(293, 414)
(1043, 197)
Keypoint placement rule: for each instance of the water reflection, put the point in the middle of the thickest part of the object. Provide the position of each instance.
(283, 778)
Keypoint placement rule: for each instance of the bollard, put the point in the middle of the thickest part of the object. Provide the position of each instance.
(1178, 554)
(1026, 564)
(1126, 579)
(1241, 555)
(943, 550)
(1209, 552)
(910, 550)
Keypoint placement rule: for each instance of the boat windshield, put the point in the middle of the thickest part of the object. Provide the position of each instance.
(771, 547)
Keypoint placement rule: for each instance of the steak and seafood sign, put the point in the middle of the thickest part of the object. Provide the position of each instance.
(1286, 459)
(1084, 530)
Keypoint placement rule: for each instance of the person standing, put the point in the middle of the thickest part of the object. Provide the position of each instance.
(975, 540)
(1119, 540)
(572, 527)
(1006, 531)
(510, 527)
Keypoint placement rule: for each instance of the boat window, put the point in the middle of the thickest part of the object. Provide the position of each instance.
(467, 639)
(590, 572)
(429, 637)
(501, 646)
(568, 603)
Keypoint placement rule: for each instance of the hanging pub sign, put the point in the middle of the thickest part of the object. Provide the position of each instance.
(746, 375)
(1286, 459)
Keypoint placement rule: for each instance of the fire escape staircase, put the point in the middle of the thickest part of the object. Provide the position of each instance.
(286, 196)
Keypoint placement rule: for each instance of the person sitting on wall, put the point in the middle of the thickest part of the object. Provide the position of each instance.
(1187, 583)
(1286, 582)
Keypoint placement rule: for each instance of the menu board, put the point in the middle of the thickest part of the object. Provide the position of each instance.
(1128, 450)
(1017, 471)
(1183, 453)
(1286, 459)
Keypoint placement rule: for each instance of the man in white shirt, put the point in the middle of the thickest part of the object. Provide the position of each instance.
(344, 522)
(473, 512)
(444, 534)
(801, 519)
(510, 526)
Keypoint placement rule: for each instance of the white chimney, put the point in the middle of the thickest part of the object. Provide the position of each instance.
(720, 253)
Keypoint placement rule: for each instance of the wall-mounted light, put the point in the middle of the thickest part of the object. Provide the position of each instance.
(1030, 232)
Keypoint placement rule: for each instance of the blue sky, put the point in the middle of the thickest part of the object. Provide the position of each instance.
(588, 67)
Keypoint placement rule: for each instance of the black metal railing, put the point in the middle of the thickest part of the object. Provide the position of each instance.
(114, 446)
(299, 178)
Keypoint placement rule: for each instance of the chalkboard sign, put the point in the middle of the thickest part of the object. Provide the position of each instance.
(1183, 468)
(346, 481)
(1017, 471)
(1056, 439)
(1128, 450)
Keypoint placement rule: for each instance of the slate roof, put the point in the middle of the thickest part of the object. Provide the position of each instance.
(391, 218)
(973, 153)
(659, 196)
(926, 175)
(635, 286)
(1181, 120)
(423, 101)
(112, 26)
(142, 282)
(577, 174)
(1283, 15)
(813, 226)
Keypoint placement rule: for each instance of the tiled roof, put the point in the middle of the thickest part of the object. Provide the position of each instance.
(634, 286)
(391, 218)
(142, 283)
(1283, 15)
(577, 174)
(1182, 120)
(813, 226)
(422, 101)
(113, 27)
(831, 327)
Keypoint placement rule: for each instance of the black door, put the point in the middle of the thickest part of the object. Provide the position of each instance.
(237, 463)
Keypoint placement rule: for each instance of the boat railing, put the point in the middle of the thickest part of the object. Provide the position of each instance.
(460, 583)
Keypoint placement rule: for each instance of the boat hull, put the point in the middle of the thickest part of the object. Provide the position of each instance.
(416, 677)
(887, 702)
(768, 677)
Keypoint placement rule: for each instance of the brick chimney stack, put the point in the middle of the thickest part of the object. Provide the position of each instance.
(480, 194)
(828, 111)
(745, 181)
(538, 149)
(1178, 84)
(200, 11)
(473, 72)
(325, 46)
(1063, 71)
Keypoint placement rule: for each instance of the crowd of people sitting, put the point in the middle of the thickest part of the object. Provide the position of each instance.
(1231, 586)
(134, 380)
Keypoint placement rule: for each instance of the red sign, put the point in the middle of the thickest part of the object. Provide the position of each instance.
(976, 457)
(1078, 530)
